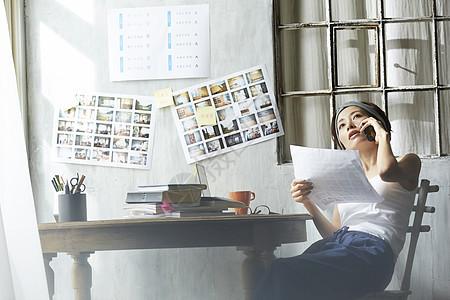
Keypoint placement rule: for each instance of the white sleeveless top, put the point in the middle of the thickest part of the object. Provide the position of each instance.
(388, 219)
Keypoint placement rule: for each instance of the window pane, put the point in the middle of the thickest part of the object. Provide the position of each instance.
(443, 8)
(306, 123)
(302, 11)
(407, 8)
(342, 10)
(356, 56)
(304, 61)
(443, 41)
(413, 122)
(445, 121)
(366, 97)
(409, 54)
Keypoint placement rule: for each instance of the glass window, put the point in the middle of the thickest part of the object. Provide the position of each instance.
(412, 115)
(301, 11)
(307, 129)
(375, 97)
(361, 9)
(443, 49)
(360, 54)
(407, 8)
(409, 54)
(444, 123)
(356, 54)
(443, 8)
(302, 68)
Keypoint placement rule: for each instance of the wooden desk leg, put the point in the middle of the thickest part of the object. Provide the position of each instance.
(252, 269)
(49, 274)
(268, 256)
(81, 273)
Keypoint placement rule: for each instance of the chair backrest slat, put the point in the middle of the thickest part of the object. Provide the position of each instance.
(428, 209)
(417, 227)
(423, 228)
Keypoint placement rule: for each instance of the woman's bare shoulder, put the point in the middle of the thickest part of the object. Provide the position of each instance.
(410, 164)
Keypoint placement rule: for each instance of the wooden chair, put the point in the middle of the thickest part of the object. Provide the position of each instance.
(419, 209)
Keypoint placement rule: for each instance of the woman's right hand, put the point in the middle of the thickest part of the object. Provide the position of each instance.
(300, 189)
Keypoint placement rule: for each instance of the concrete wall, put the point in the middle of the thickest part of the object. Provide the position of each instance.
(67, 50)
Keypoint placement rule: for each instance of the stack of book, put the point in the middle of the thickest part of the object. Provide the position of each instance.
(175, 200)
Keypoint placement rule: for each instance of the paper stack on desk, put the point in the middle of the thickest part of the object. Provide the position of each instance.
(176, 194)
(176, 201)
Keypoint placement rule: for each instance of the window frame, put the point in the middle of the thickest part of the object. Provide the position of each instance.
(333, 90)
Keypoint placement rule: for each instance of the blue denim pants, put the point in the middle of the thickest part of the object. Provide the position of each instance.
(346, 265)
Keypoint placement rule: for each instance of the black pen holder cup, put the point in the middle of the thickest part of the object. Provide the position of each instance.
(72, 207)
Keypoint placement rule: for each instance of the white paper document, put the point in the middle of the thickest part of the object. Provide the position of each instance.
(159, 42)
(338, 176)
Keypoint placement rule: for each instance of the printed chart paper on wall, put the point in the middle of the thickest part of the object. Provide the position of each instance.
(106, 129)
(245, 109)
(159, 42)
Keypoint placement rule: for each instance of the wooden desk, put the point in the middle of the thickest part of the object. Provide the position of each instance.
(256, 235)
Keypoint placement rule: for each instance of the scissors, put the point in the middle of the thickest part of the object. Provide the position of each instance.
(77, 184)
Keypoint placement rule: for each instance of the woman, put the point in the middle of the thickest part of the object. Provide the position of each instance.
(360, 245)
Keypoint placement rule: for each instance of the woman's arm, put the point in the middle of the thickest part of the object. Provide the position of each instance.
(405, 170)
(336, 218)
(300, 189)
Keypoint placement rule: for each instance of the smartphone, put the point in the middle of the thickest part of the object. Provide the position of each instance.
(370, 133)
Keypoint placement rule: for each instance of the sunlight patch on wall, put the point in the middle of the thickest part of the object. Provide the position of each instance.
(64, 69)
(84, 9)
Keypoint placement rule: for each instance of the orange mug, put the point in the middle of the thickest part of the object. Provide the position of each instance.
(244, 197)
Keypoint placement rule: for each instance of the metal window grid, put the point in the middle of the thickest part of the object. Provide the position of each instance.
(382, 87)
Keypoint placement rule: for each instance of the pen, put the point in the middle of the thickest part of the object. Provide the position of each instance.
(67, 191)
(55, 185)
(60, 187)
